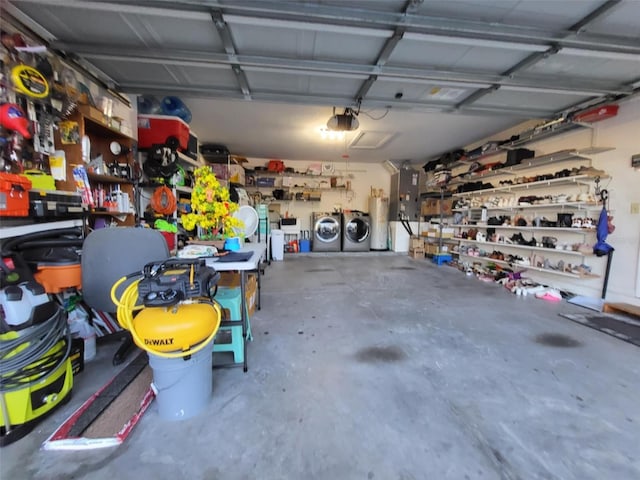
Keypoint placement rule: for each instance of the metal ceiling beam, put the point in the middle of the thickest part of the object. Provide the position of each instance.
(229, 46)
(534, 58)
(521, 65)
(579, 26)
(206, 91)
(470, 79)
(386, 51)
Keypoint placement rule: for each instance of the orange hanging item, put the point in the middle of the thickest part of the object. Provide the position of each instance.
(163, 201)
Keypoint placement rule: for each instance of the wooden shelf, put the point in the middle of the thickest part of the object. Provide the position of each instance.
(94, 123)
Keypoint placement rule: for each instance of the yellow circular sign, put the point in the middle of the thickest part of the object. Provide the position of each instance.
(29, 81)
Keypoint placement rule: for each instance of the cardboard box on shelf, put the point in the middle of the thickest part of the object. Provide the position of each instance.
(432, 206)
(416, 242)
(446, 205)
(431, 248)
(429, 206)
(92, 113)
(434, 231)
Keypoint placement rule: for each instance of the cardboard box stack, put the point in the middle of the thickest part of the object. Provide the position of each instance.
(416, 247)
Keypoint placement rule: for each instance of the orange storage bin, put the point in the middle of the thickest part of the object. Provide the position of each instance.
(56, 278)
(14, 195)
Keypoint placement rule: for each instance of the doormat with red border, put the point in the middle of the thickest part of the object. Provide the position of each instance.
(109, 415)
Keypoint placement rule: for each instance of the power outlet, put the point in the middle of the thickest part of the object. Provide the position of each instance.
(635, 208)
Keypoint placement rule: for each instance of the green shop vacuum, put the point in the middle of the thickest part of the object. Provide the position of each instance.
(35, 369)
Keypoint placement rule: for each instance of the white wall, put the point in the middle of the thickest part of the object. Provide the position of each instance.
(363, 177)
(621, 132)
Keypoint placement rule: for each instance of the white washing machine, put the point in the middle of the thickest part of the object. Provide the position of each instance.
(327, 232)
(356, 232)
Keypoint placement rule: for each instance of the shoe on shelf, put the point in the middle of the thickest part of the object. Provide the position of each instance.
(537, 260)
(518, 238)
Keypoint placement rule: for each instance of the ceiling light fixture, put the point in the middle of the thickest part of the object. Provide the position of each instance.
(344, 122)
(327, 134)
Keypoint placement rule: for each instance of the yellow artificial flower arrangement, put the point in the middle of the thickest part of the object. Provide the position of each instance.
(211, 209)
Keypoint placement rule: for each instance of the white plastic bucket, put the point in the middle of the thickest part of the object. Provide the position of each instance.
(183, 387)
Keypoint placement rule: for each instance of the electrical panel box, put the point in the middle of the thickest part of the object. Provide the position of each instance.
(404, 200)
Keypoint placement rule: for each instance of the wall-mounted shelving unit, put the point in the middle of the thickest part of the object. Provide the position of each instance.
(91, 123)
(526, 179)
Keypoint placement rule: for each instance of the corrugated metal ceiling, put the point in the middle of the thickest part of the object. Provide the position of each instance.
(514, 58)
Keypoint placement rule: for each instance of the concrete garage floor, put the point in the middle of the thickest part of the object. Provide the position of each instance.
(382, 367)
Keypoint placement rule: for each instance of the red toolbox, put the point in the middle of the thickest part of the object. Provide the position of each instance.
(14, 195)
(162, 130)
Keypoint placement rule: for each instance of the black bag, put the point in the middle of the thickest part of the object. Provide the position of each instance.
(515, 157)
(214, 152)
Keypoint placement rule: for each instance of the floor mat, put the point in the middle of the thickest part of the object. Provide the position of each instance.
(619, 326)
(109, 415)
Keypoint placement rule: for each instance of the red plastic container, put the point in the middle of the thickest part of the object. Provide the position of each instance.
(14, 195)
(170, 239)
(596, 114)
(162, 130)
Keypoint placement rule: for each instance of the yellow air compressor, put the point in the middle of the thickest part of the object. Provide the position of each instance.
(175, 314)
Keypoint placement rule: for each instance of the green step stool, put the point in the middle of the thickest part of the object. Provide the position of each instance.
(230, 300)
